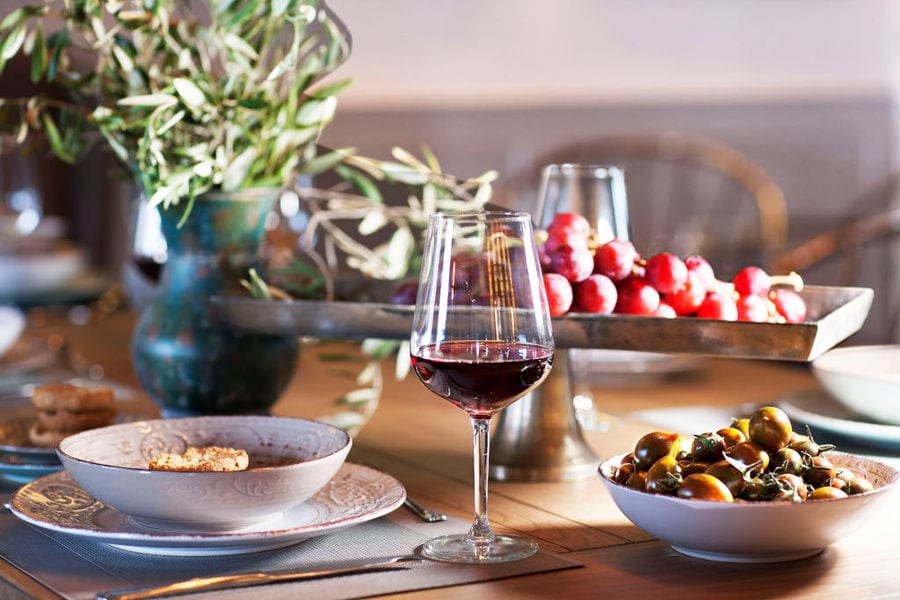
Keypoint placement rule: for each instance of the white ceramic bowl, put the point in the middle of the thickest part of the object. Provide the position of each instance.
(745, 531)
(30, 273)
(865, 379)
(290, 460)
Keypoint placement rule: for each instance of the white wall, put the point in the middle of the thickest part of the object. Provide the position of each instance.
(502, 52)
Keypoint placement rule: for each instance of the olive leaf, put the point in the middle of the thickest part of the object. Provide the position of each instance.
(160, 79)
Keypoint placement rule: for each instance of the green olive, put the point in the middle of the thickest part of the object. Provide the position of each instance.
(653, 446)
(770, 427)
(742, 425)
(858, 485)
(702, 486)
(732, 436)
(664, 477)
(729, 475)
(707, 447)
(750, 454)
(826, 492)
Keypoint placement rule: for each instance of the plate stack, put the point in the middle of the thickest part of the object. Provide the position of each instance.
(859, 397)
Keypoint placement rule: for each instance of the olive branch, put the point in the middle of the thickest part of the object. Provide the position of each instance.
(189, 96)
(344, 216)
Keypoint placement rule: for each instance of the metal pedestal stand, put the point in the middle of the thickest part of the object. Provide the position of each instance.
(538, 438)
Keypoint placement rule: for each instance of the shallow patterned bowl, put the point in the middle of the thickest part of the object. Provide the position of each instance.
(865, 379)
(290, 460)
(746, 531)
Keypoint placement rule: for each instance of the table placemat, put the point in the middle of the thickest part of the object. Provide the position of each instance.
(78, 568)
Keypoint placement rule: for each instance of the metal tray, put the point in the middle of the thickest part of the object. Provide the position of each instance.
(835, 313)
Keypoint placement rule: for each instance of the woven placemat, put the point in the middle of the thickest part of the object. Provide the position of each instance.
(79, 568)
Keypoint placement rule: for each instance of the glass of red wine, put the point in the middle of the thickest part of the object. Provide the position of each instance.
(481, 339)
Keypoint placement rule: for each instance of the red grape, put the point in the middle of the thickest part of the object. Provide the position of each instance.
(569, 229)
(405, 293)
(614, 277)
(666, 272)
(559, 293)
(718, 306)
(752, 280)
(596, 294)
(686, 300)
(752, 308)
(701, 266)
(615, 259)
(637, 297)
(664, 310)
(566, 223)
(575, 263)
(467, 271)
(789, 305)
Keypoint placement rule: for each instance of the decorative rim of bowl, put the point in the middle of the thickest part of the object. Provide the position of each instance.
(62, 453)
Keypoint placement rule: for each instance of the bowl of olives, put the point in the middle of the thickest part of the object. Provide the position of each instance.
(752, 491)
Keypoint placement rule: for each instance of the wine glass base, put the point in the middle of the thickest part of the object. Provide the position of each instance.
(461, 549)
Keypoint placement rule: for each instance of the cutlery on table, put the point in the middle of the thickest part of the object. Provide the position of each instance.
(427, 515)
(424, 513)
(240, 580)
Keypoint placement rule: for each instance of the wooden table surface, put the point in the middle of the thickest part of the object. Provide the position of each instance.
(426, 444)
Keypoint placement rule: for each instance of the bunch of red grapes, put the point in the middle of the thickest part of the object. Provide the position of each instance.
(582, 276)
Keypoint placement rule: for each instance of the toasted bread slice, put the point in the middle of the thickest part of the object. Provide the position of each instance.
(210, 458)
(65, 396)
(42, 437)
(72, 421)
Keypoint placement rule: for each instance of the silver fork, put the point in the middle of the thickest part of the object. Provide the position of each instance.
(423, 513)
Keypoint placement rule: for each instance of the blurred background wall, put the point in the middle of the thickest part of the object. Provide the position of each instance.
(806, 88)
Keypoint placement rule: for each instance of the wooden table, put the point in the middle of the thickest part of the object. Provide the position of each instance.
(426, 443)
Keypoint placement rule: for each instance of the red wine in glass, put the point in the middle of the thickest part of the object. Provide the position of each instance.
(482, 377)
(148, 267)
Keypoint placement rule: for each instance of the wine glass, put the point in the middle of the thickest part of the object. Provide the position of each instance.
(598, 193)
(20, 197)
(481, 339)
(595, 191)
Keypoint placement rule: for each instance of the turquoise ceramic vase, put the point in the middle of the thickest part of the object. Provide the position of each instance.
(186, 359)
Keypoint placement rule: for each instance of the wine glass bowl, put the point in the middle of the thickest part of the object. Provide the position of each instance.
(20, 195)
(481, 339)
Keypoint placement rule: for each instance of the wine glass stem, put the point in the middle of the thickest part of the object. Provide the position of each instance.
(481, 531)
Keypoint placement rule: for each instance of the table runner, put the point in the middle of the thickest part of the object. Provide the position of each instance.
(76, 568)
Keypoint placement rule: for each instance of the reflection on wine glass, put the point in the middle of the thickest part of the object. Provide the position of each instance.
(20, 198)
(147, 252)
(481, 339)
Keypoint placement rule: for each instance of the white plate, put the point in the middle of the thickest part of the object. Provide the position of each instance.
(629, 368)
(26, 355)
(33, 273)
(355, 495)
(819, 410)
(23, 472)
(865, 379)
